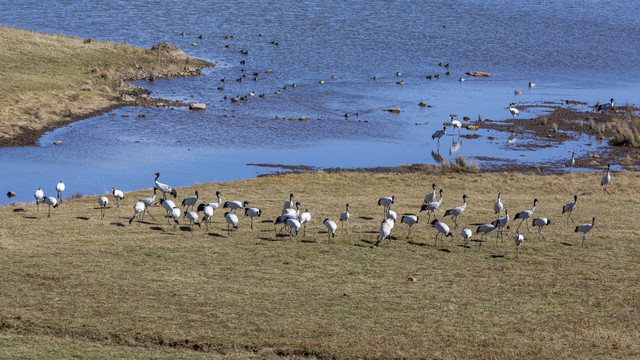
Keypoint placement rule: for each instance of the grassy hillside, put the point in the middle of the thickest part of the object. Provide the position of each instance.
(78, 284)
(47, 80)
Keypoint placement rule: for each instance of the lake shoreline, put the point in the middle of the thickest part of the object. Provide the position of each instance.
(83, 78)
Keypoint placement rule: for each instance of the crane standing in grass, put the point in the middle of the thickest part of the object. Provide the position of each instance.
(498, 207)
(518, 239)
(103, 201)
(606, 179)
(431, 197)
(525, 215)
(443, 230)
(344, 219)
(39, 196)
(118, 194)
(569, 207)
(60, 187)
(386, 203)
(466, 235)
(331, 228)
(431, 207)
(457, 211)
(166, 189)
(584, 229)
(410, 220)
(540, 222)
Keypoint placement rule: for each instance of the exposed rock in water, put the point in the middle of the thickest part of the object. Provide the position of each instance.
(478, 73)
(422, 103)
(196, 106)
(394, 110)
(59, 142)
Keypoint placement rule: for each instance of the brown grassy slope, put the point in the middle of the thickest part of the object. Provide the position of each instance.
(47, 80)
(107, 283)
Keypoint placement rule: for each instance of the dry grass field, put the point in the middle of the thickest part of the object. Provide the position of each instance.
(75, 285)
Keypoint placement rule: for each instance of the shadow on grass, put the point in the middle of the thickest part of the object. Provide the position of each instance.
(118, 224)
(82, 218)
(269, 239)
(365, 218)
(18, 210)
(412, 242)
(444, 250)
(30, 217)
(156, 228)
(214, 234)
(496, 256)
(566, 244)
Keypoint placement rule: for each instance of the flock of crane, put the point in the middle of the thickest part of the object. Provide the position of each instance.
(293, 220)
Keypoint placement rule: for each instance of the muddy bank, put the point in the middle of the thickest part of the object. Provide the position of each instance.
(562, 122)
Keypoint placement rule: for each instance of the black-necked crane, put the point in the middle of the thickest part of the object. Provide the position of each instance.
(584, 229)
(60, 189)
(103, 201)
(291, 213)
(431, 197)
(514, 111)
(457, 211)
(118, 194)
(39, 196)
(344, 219)
(439, 133)
(289, 204)
(607, 106)
(518, 239)
(540, 222)
(232, 220)
(190, 201)
(293, 225)
(214, 205)
(431, 207)
(175, 214)
(386, 203)
(569, 207)
(525, 215)
(606, 179)
(455, 123)
(443, 230)
(51, 201)
(166, 189)
(304, 218)
(571, 161)
(410, 220)
(385, 231)
(168, 206)
(391, 214)
(148, 202)
(498, 207)
(251, 213)
(138, 208)
(193, 218)
(331, 229)
(485, 229)
(501, 223)
(235, 205)
(466, 235)
(207, 213)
